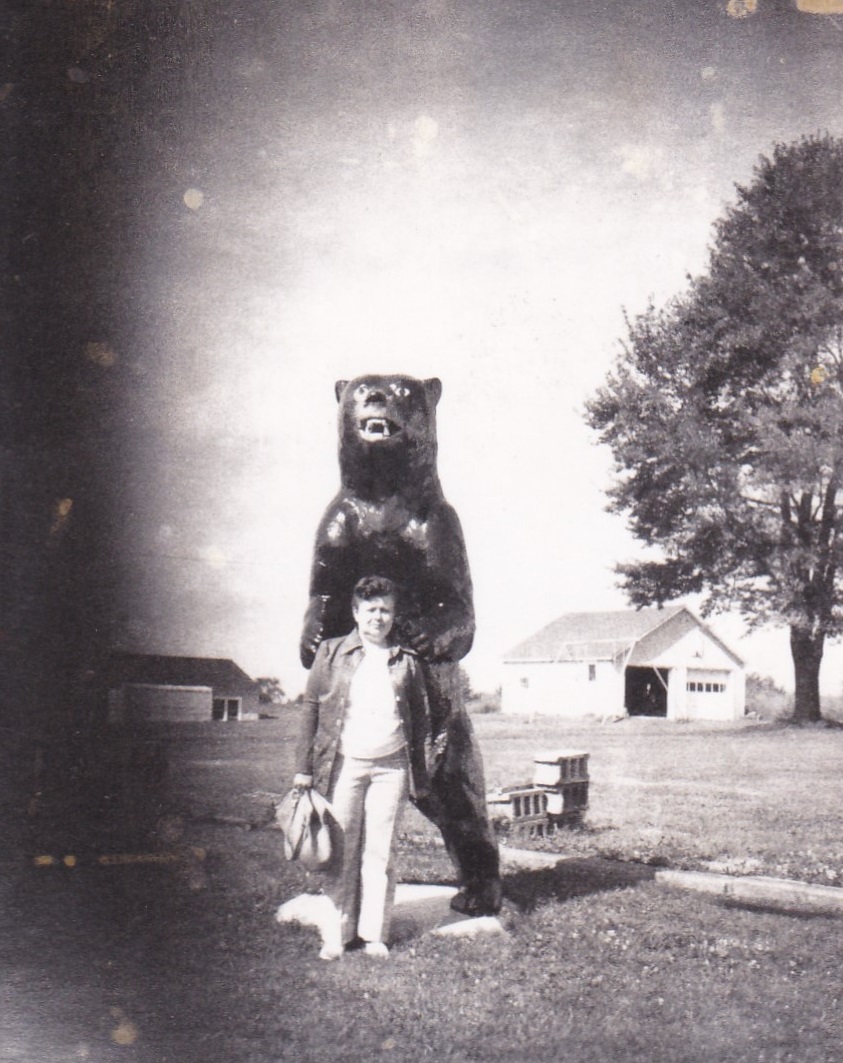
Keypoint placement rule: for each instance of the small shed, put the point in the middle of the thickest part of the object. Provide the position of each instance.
(647, 662)
(154, 688)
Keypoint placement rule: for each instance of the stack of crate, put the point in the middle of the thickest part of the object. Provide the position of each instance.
(559, 795)
(563, 775)
(522, 810)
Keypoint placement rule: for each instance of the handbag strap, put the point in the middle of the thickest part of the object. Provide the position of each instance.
(307, 817)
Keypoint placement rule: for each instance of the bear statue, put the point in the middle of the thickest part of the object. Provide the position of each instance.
(390, 518)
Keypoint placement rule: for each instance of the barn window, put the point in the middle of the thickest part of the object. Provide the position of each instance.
(592, 672)
(698, 687)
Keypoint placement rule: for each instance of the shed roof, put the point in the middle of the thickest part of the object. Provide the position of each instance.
(597, 636)
(218, 673)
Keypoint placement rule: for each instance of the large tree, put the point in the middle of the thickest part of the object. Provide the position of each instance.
(724, 413)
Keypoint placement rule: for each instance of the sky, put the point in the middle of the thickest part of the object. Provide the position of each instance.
(476, 191)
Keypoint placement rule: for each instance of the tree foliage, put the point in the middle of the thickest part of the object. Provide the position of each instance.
(724, 413)
(270, 691)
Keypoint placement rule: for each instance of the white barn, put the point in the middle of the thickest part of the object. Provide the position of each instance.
(647, 662)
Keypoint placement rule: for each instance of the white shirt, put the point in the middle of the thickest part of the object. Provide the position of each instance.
(373, 723)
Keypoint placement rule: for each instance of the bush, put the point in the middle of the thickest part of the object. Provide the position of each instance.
(766, 699)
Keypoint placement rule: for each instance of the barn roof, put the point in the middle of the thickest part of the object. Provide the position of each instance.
(597, 636)
(218, 673)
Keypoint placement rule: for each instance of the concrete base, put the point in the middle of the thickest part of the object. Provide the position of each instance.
(424, 909)
(419, 909)
(787, 895)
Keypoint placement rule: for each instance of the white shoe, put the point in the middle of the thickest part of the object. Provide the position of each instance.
(376, 949)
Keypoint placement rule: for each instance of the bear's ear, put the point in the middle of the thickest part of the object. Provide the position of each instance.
(433, 390)
(339, 388)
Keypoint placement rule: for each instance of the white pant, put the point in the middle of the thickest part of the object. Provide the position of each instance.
(368, 798)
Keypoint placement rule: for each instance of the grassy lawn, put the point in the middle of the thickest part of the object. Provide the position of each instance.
(182, 962)
(747, 798)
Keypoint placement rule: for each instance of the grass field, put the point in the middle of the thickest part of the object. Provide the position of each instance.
(182, 962)
(748, 798)
(745, 798)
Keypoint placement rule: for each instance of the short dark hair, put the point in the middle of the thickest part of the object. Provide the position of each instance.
(374, 587)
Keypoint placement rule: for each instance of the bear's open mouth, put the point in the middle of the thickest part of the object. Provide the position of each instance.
(376, 428)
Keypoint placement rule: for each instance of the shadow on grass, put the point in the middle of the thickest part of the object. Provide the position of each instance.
(572, 878)
(746, 904)
(787, 722)
(827, 723)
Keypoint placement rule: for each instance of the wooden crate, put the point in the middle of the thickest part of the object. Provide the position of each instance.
(558, 767)
(537, 810)
(566, 803)
(520, 809)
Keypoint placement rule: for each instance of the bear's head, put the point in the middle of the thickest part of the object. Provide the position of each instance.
(387, 427)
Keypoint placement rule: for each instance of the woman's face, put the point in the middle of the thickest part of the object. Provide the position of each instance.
(374, 618)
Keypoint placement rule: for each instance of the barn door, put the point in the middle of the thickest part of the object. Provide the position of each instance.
(646, 691)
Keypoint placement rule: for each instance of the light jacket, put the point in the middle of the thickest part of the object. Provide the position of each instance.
(326, 706)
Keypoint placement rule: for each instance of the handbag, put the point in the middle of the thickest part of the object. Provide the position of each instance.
(305, 817)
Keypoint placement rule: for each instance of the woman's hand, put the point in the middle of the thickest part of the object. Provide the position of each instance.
(302, 781)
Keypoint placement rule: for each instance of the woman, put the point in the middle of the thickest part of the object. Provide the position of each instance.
(363, 744)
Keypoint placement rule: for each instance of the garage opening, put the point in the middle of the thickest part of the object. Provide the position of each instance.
(645, 691)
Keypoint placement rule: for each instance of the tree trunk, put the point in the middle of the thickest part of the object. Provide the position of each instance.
(807, 650)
